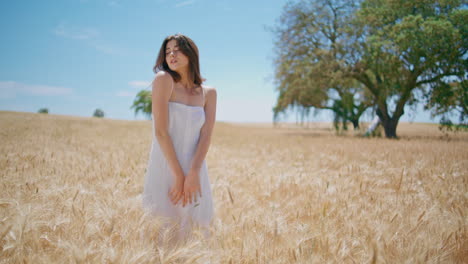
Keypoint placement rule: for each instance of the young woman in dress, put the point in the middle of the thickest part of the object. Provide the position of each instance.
(177, 186)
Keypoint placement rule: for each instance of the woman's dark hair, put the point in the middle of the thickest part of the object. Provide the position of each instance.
(189, 49)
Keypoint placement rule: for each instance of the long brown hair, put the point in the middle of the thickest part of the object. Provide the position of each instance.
(189, 49)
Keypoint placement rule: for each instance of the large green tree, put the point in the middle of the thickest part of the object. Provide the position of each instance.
(405, 47)
(310, 46)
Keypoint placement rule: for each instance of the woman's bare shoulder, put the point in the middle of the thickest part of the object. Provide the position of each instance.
(162, 79)
(209, 90)
(163, 76)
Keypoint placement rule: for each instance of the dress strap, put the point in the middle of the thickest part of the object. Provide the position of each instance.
(203, 94)
(172, 89)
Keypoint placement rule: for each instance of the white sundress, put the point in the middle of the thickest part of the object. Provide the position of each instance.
(185, 122)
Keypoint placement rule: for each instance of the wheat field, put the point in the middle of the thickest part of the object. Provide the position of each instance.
(71, 193)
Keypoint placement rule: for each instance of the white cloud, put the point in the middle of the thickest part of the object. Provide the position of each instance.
(139, 84)
(133, 84)
(125, 94)
(9, 89)
(89, 36)
(104, 47)
(185, 3)
(67, 32)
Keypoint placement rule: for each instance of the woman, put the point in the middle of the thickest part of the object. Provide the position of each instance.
(183, 110)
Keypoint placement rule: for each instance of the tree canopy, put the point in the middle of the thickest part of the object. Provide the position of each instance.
(142, 103)
(309, 47)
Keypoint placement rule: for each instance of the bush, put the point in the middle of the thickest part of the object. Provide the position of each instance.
(43, 111)
(446, 125)
(98, 113)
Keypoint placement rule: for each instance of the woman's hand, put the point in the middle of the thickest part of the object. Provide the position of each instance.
(177, 191)
(192, 187)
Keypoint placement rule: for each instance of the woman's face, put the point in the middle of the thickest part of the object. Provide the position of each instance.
(176, 60)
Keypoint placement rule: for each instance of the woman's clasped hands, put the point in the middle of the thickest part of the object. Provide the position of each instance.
(186, 189)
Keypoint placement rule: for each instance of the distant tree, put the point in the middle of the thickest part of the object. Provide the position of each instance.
(345, 109)
(142, 103)
(98, 113)
(43, 110)
(310, 46)
(350, 105)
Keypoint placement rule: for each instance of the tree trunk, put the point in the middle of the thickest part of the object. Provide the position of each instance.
(390, 126)
(389, 123)
(345, 124)
(355, 124)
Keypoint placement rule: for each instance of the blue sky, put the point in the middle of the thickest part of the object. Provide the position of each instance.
(73, 56)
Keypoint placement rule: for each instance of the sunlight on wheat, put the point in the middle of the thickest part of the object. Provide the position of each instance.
(71, 194)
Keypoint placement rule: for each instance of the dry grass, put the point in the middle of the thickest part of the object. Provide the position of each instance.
(71, 193)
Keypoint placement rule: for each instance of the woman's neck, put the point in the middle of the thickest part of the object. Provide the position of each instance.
(185, 81)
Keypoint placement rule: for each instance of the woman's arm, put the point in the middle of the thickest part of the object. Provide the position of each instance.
(161, 93)
(192, 182)
(206, 130)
